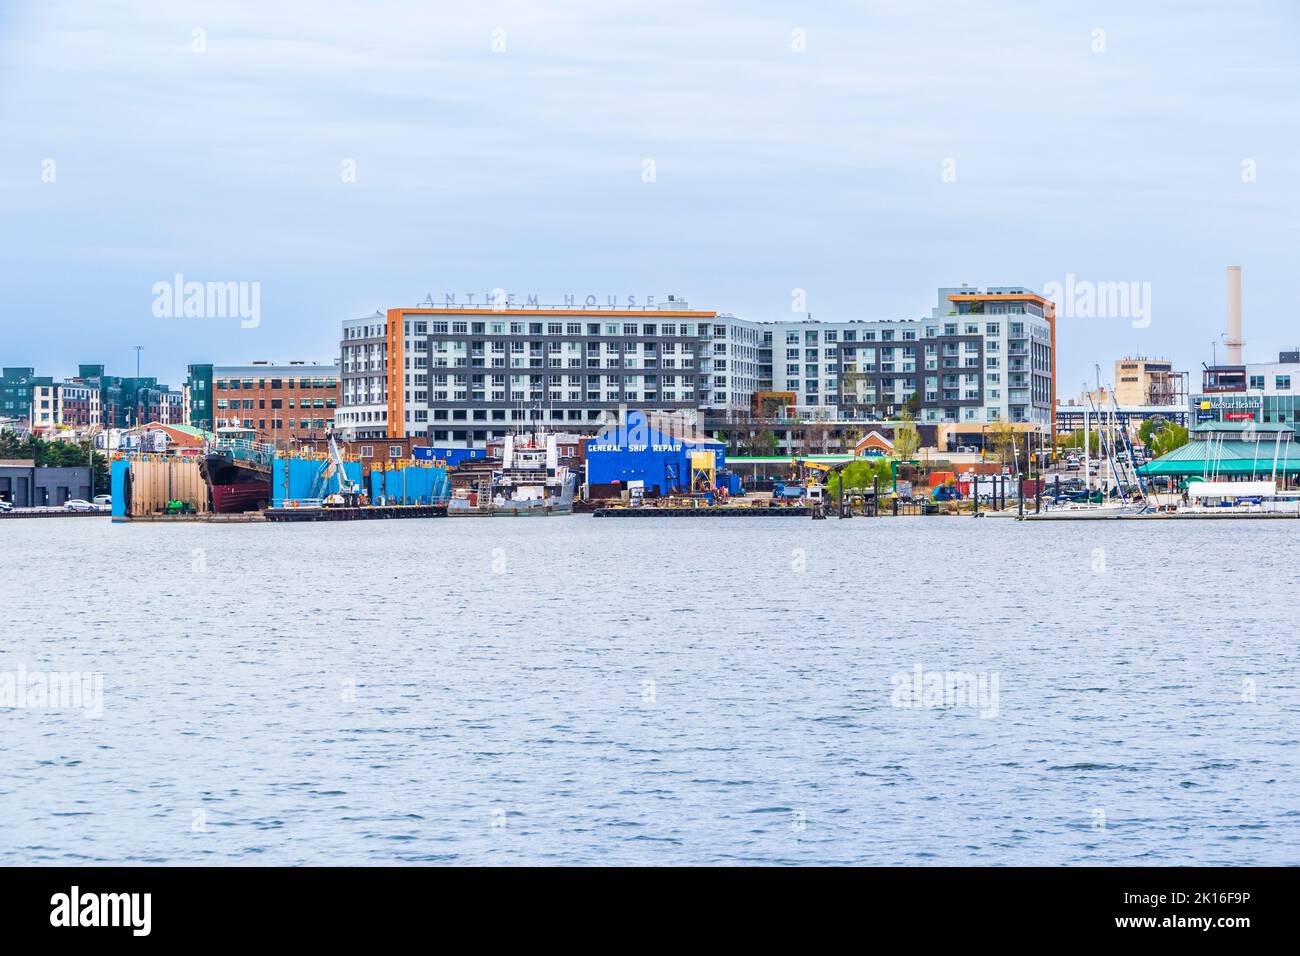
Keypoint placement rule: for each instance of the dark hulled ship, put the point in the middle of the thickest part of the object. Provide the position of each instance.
(238, 471)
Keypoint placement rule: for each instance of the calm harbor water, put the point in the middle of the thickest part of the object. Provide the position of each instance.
(670, 691)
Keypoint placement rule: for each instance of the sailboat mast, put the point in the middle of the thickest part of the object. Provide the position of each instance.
(1087, 448)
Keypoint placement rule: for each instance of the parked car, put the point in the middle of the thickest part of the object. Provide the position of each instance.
(104, 502)
(6, 505)
(78, 504)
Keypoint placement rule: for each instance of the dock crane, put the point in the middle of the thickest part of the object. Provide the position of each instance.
(349, 493)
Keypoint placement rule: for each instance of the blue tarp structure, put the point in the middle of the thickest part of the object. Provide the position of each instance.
(301, 479)
(409, 486)
(633, 451)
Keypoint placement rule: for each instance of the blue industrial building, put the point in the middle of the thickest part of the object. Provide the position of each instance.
(633, 451)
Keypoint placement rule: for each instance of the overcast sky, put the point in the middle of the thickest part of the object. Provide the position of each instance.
(883, 151)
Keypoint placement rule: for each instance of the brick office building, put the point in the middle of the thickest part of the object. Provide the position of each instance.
(286, 403)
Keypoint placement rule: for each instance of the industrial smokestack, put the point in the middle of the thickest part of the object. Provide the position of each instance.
(1234, 342)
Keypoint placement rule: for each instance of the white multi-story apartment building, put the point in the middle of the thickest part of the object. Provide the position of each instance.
(471, 374)
(981, 356)
(989, 356)
(730, 368)
(467, 375)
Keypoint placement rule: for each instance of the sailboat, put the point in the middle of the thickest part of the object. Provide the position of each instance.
(1123, 474)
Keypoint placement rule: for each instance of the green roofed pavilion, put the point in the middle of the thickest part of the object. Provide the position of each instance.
(1231, 450)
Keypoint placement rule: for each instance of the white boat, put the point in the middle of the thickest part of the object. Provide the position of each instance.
(530, 481)
(1237, 499)
(1084, 511)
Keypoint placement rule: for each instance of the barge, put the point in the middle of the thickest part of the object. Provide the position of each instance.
(355, 513)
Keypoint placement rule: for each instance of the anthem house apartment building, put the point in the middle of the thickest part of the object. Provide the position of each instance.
(470, 374)
(473, 374)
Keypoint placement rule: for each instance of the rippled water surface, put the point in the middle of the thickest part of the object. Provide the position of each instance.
(578, 690)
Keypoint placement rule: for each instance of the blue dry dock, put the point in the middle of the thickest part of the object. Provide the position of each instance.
(301, 485)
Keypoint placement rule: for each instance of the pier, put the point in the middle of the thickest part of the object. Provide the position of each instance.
(51, 513)
(207, 517)
(652, 512)
(358, 513)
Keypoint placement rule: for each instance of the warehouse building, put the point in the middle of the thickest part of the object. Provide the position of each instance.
(656, 453)
(25, 485)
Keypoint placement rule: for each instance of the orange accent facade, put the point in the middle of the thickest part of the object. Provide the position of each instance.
(1049, 311)
(396, 372)
(999, 297)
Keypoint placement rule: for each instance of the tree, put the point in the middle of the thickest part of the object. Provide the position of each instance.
(860, 475)
(1167, 439)
(54, 454)
(817, 436)
(1075, 440)
(1149, 428)
(761, 443)
(1002, 436)
(906, 439)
